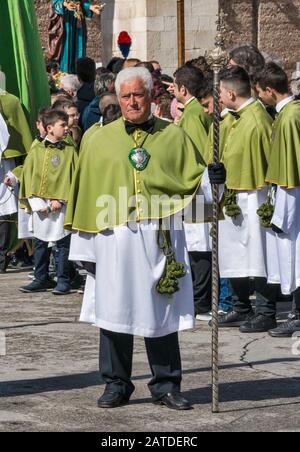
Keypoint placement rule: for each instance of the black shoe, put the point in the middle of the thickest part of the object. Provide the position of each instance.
(110, 399)
(258, 324)
(174, 401)
(37, 286)
(61, 290)
(287, 329)
(233, 319)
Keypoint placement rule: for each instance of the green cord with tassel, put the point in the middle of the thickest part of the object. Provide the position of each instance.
(232, 209)
(168, 283)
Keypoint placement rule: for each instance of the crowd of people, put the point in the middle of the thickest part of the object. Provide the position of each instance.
(51, 188)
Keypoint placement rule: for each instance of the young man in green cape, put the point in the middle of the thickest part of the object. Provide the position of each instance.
(284, 174)
(245, 155)
(133, 176)
(196, 123)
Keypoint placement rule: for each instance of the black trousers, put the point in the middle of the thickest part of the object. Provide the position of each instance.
(266, 296)
(296, 303)
(201, 266)
(5, 238)
(42, 258)
(116, 352)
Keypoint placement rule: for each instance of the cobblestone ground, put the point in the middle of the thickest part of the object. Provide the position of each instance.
(49, 375)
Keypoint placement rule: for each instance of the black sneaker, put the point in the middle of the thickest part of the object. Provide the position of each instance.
(287, 329)
(258, 324)
(36, 286)
(233, 319)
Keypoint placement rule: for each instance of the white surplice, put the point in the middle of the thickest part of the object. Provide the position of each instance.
(242, 246)
(8, 195)
(47, 227)
(284, 254)
(123, 296)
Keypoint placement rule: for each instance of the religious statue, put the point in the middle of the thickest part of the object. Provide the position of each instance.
(67, 31)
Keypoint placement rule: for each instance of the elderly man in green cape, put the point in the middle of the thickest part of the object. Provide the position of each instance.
(133, 176)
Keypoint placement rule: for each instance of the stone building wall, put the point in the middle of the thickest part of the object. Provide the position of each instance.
(273, 25)
(93, 25)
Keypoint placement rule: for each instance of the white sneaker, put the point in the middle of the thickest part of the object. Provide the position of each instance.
(205, 317)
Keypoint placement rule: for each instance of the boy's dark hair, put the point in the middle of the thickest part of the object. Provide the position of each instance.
(111, 113)
(190, 77)
(42, 112)
(273, 76)
(237, 79)
(62, 104)
(53, 116)
(86, 69)
(164, 102)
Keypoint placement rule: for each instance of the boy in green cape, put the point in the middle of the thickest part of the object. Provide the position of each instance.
(45, 186)
(284, 174)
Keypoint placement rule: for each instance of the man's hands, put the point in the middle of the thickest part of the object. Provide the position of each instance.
(8, 182)
(217, 173)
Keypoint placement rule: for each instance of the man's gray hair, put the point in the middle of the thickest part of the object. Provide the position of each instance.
(71, 82)
(132, 73)
(103, 82)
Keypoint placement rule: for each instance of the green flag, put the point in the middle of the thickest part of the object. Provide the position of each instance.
(21, 56)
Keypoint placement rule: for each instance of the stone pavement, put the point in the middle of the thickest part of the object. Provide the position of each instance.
(49, 379)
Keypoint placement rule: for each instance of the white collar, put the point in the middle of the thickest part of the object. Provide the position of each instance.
(248, 102)
(283, 103)
(224, 112)
(189, 101)
(50, 141)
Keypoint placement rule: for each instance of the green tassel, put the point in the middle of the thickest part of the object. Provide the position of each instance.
(231, 207)
(266, 212)
(168, 283)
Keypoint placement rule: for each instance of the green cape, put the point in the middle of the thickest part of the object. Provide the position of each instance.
(225, 126)
(48, 172)
(284, 164)
(246, 150)
(21, 56)
(175, 168)
(20, 135)
(196, 123)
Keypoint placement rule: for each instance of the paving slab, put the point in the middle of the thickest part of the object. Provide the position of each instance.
(49, 378)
